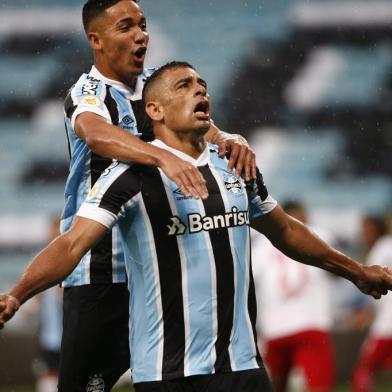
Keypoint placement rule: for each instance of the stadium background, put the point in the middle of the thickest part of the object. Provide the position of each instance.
(309, 83)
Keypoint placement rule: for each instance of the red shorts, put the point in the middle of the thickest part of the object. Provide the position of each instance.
(377, 353)
(311, 351)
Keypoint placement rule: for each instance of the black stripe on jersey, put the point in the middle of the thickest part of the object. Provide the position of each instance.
(111, 105)
(69, 109)
(101, 254)
(257, 186)
(224, 263)
(169, 265)
(123, 188)
(144, 122)
(252, 309)
(69, 106)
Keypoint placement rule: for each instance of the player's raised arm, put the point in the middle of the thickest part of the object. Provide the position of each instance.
(299, 243)
(52, 265)
(113, 142)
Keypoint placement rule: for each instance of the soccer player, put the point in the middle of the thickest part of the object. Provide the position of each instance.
(192, 303)
(301, 340)
(376, 352)
(104, 117)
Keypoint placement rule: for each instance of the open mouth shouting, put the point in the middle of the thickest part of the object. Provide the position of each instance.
(140, 54)
(202, 110)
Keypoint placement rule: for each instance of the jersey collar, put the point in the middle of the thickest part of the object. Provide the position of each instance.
(203, 159)
(129, 93)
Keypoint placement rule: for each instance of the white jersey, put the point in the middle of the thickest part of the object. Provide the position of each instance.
(381, 254)
(291, 296)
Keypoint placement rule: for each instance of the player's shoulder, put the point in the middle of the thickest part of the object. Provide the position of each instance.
(88, 85)
(117, 178)
(147, 72)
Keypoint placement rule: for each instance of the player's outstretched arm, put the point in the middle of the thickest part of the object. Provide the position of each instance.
(113, 142)
(299, 243)
(52, 265)
(241, 156)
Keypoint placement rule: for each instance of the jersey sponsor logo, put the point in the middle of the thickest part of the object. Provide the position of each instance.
(96, 384)
(90, 86)
(176, 227)
(233, 184)
(197, 223)
(90, 100)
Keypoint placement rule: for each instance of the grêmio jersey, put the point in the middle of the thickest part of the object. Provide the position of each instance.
(192, 299)
(119, 105)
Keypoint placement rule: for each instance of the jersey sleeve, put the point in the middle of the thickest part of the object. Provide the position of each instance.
(87, 95)
(260, 202)
(112, 195)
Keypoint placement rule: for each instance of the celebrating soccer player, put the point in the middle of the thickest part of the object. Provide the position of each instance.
(192, 301)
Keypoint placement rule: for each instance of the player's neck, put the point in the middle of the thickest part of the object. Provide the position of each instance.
(107, 72)
(192, 145)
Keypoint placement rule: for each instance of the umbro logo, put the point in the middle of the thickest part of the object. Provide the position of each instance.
(176, 227)
(127, 120)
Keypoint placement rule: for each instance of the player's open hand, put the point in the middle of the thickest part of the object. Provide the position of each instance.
(241, 156)
(187, 176)
(376, 281)
(8, 307)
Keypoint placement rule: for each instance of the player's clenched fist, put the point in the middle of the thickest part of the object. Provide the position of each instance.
(8, 307)
(376, 281)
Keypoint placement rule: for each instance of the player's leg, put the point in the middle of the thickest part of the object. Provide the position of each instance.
(315, 357)
(95, 349)
(374, 355)
(277, 356)
(387, 364)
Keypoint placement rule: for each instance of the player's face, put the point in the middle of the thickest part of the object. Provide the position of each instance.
(123, 39)
(186, 104)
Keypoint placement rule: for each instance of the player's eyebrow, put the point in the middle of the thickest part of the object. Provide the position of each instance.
(189, 79)
(130, 20)
(127, 19)
(202, 82)
(183, 80)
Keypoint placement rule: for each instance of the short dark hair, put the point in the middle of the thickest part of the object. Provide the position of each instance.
(156, 76)
(94, 8)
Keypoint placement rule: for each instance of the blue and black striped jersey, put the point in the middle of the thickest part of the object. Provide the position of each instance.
(192, 302)
(121, 106)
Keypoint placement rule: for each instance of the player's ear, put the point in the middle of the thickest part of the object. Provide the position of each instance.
(94, 40)
(155, 110)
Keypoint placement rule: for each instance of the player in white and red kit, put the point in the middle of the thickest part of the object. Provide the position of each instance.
(376, 353)
(294, 315)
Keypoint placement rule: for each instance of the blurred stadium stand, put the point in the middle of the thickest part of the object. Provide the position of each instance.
(309, 83)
